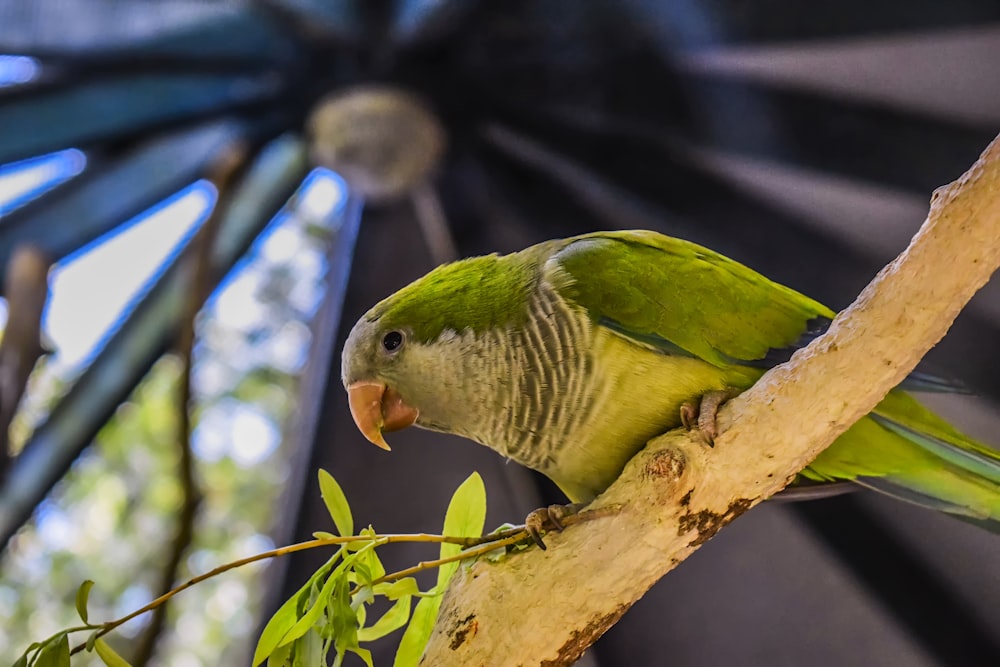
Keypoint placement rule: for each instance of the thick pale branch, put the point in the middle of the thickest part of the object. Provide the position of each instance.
(546, 607)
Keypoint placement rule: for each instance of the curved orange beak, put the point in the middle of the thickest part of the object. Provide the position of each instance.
(377, 408)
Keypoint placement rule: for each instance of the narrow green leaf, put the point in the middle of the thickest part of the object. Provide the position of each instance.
(92, 639)
(465, 517)
(82, 595)
(336, 503)
(361, 573)
(309, 650)
(276, 629)
(343, 619)
(363, 596)
(323, 535)
(28, 651)
(496, 555)
(308, 619)
(364, 654)
(391, 621)
(287, 615)
(280, 657)
(397, 589)
(359, 545)
(108, 655)
(55, 653)
(374, 566)
(414, 640)
(361, 614)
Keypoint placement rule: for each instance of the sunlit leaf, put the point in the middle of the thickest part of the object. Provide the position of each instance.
(361, 574)
(343, 620)
(397, 589)
(361, 612)
(391, 621)
(55, 653)
(364, 654)
(363, 595)
(309, 618)
(276, 629)
(411, 647)
(108, 655)
(82, 595)
(309, 650)
(323, 535)
(286, 617)
(28, 651)
(368, 532)
(336, 503)
(373, 565)
(280, 657)
(496, 555)
(465, 517)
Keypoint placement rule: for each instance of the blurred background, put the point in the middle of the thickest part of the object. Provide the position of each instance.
(199, 197)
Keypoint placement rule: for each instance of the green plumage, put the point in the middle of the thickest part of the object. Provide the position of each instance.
(570, 355)
(656, 287)
(462, 286)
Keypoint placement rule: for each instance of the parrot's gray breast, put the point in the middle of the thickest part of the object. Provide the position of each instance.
(552, 390)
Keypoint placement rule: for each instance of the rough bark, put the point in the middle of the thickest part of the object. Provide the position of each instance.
(547, 607)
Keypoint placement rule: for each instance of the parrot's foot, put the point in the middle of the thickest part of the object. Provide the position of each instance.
(702, 416)
(549, 518)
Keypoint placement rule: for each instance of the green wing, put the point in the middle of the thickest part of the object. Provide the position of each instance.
(682, 298)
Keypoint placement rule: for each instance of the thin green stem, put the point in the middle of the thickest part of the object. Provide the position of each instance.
(495, 536)
(107, 627)
(478, 546)
(475, 552)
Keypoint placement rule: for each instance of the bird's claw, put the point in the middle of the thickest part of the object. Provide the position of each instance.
(548, 518)
(689, 414)
(701, 416)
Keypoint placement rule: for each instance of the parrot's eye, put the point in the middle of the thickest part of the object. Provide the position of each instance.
(392, 341)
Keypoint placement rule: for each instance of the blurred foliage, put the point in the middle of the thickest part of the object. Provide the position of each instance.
(111, 519)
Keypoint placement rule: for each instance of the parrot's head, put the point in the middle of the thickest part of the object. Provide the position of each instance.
(417, 356)
(375, 364)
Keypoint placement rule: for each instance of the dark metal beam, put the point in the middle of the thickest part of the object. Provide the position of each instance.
(107, 194)
(109, 110)
(796, 130)
(789, 20)
(185, 31)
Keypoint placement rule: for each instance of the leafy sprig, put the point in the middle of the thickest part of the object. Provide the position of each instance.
(329, 613)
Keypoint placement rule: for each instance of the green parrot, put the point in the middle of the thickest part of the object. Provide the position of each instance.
(570, 355)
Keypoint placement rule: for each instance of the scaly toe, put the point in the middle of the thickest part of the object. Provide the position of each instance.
(548, 518)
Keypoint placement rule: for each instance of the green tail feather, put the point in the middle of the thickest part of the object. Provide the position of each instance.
(906, 451)
(891, 487)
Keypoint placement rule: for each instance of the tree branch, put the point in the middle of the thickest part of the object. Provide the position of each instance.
(26, 287)
(225, 174)
(547, 607)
